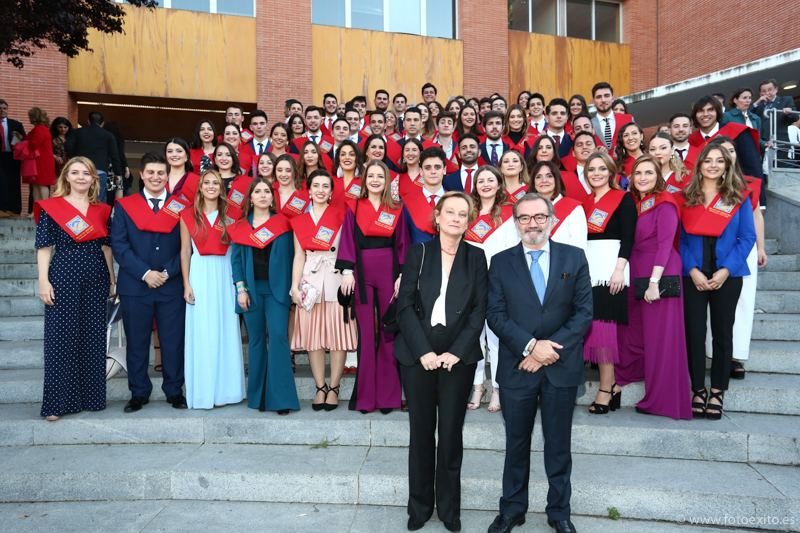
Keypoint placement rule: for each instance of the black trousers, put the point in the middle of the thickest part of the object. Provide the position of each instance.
(10, 184)
(435, 475)
(723, 313)
(519, 414)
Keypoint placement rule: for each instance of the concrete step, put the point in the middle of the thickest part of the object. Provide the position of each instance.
(191, 516)
(737, 438)
(6, 222)
(19, 287)
(770, 301)
(18, 256)
(18, 243)
(779, 281)
(759, 393)
(19, 271)
(640, 488)
(21, 354)
(771, 246)
(22, 328)
(782, 263)
(19, 306)
(777, 357)
(776, 327)
(21, 231)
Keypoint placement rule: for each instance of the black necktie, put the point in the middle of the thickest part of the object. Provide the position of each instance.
(155, 202)
(681, 152)
(260, 148)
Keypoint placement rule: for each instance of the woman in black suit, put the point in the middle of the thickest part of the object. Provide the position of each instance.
(441, 308)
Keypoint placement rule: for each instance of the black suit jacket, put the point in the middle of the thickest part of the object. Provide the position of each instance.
(515, 314)
(484, 147)
(465, 302)
(783, 121)
(13, 125)
(98, 145)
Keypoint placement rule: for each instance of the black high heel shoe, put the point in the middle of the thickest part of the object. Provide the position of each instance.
(616, 398)
(714, 411)
(320, 406)
(703, 395)
(331, 406)
(599, 408)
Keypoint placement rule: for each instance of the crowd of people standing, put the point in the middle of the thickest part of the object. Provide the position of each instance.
(375, 233)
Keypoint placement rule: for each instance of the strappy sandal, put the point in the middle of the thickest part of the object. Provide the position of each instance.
(158, 368)
(703, 395)
(737, 370)
(324, 390)
(714, 411)
(494, 407)
(473, 404)
(331, 406)
(616, 398)
(599, 408)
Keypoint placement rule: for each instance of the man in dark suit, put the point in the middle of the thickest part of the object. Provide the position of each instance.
(493, 148)
(557, 116)
(767, 100)
(10, 187)
(146, 240)
(540, 307)
(99, 145)
(464, 178)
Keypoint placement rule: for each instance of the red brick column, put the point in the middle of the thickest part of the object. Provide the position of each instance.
(639, 19)
(283, 54)
(483, 26)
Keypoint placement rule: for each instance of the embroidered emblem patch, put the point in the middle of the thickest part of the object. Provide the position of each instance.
(263, 235)
(297, 203)
(647, 204)
(672, 188)
(520, 194)
(237, 197)
(324, 234)
(481, 229)
(326, 146)
(722, 206)
(386, 218)
(355, 189)
(175, 206)
(77, 225)
(598, 217)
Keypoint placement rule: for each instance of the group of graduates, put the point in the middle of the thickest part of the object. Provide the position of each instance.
(303, 228)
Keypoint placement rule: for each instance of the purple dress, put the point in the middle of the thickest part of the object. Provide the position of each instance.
(653, 344)
(375, 268)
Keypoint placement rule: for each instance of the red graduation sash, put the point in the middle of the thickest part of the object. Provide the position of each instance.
(672, 183)
(602, 210)
(189, 188)
(396, 137)
(275, 226)
(380, 223)
(709, 222)
(406, 185)
(295, 205)
(420, 211)
(753, 188)
(342, 196)
(514, 197)
(82, 228)
(211, 243)
(651, 200)
(142, 214)
(318, 237)
(483, 227)
(564, 207)
(246, 136)
(731, 129)
(238, 196)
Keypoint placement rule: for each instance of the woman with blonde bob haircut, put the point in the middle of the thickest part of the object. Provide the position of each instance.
(74, 281)
(371, 255)
(214, 367)
(42, 140)
(441, 312)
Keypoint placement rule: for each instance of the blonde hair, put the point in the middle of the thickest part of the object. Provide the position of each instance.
(500, 198)
(524, 177)
(386, 196)
(612, 169)
(38, 117)
(63, 187)
(222, 207)
(729, 185)
(440, 205)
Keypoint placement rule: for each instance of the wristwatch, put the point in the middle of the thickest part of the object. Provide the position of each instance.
(655, 280)
(347, 272)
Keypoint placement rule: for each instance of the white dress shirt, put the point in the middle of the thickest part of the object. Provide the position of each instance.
(544, 264)
(612, 121)
(328, 121)
(685, 150)
(259, 147)
(353, 138)
(464, 177)
(438, 314)
(711, 133)
(314, 137)
(162, 198)
(540, 125)
(499, 144)
(6, 141)
(437, 195)
(447, 149)
(582, 178)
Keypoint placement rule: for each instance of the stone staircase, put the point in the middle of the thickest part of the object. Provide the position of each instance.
(344, 471)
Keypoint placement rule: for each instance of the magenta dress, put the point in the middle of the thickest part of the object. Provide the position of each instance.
(652, 347)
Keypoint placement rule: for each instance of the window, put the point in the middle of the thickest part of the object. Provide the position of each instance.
(580, 19)
(432, 18)
(244, 8)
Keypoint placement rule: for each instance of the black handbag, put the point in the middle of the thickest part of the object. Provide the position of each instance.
(389, 318)
(668, 287)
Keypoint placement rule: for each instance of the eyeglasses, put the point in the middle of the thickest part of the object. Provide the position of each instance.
(526, 219)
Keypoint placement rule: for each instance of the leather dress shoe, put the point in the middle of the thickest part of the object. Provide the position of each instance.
(454, 526)
(178, 401)
(562, 526)
(136, 403)
(414, 524)
(504, 524)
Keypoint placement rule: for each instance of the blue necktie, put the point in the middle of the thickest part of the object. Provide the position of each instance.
(494, 155)
(536, 274)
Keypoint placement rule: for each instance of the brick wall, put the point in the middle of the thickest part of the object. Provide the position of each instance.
(639, 17)
(283, 54)
(483, 26)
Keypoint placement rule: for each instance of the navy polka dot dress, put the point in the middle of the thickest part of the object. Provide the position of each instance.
(75, 327)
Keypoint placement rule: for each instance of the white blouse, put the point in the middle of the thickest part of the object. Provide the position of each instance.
(573, 230)
(438, 315)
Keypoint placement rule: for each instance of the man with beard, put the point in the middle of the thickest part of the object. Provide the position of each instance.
(540, 307)
(462, 179)
(607, 123)
(493, 148)
(680, 127)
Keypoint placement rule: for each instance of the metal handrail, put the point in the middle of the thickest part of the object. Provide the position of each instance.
(792, 150)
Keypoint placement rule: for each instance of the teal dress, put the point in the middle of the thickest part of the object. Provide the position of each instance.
(270, 380)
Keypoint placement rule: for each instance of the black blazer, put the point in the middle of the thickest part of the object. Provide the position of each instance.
(465, 302)
(515, 314)
(13, 125)
(783, 121)
(98, 145)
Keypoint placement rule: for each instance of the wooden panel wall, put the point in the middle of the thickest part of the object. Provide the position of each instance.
(351, 62)
(561, 66)
(171, 53)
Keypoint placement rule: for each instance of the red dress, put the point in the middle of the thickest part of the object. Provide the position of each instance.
(41, 138)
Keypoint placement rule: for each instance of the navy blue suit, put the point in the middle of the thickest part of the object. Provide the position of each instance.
(565, 146)
(486, 155)
(452, 181)
(138, 251)
(516, 316)
(414, 233)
